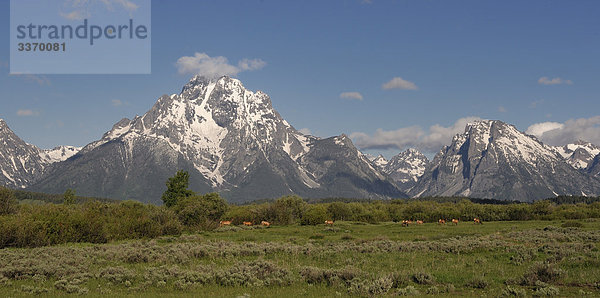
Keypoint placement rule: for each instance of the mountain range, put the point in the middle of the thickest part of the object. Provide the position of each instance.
(229, 139)
(233, 141)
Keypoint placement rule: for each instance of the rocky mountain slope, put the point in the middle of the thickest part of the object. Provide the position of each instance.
(21, 163)
(492, 159)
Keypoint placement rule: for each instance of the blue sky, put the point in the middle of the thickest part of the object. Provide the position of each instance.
(523, 62)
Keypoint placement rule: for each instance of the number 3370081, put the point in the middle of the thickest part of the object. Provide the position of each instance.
(42, 47)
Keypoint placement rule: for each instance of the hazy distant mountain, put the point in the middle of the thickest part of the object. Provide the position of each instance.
(230, 139)
(404, 168)
(492, 159)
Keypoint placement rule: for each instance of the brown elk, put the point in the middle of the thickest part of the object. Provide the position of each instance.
(265, 223)
(329, 222)
(247, 223)
(477, 221)
(419, 222)
(455, 221)
(405, 223)
(441, 221)
(225, 223)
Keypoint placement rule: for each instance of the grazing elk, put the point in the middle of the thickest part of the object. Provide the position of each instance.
(419, 222)
(329, 222)
(265, 223)
(405, 223)
(247, 223)
(455, 221)
(225, 223)
(477, 221)
(441, 221)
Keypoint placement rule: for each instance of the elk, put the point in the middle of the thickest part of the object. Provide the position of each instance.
(225, 223)
(329, 222)
(455, 221)
(247, 223)
(405, 223)
(441, 221)
(265, 223)
(419, 222)
(477, 221)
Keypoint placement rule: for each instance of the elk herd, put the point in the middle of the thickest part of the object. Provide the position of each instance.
(405, 223)
(441, 221)
(245, 223)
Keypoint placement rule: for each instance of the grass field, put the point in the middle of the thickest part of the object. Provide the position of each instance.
(529, 258)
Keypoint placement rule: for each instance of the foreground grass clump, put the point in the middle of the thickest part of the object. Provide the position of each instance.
(383, 259)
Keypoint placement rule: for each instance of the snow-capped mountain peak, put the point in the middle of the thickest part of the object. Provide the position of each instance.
(580, 154)
(492, 159)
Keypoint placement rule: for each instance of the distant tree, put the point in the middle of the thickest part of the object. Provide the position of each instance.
(201, 211)
(177, 189)
(69, 197)
(314, 215)
(289, 209)
(8, 204)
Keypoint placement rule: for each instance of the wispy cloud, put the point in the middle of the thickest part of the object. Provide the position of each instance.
(554, 81)
(351, 95)
(534, 104)
(27, 113)
(118, 103)
(40, 80)
(430, 140)
(76, 10)
(502, 109)
(399, 83)
(203, 64)
(558, 134)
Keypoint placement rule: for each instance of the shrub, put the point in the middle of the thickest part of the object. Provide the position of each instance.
(547, 291)
(513, 292)
(8, 203)
(423, 278)
(541, 272)
(409, 291)
(572, 224)
(477, 283)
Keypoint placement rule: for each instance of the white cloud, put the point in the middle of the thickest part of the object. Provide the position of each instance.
(559, 134)
(502, 109)
(77, 10)
(413, 136)
(27, 113)
(554, 81)
(539, 129)
(75, 15)
(351, 95)
(305, 131)
(204, 65)
(399, 83)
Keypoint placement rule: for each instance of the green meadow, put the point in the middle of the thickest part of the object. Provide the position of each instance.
(508, 258)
